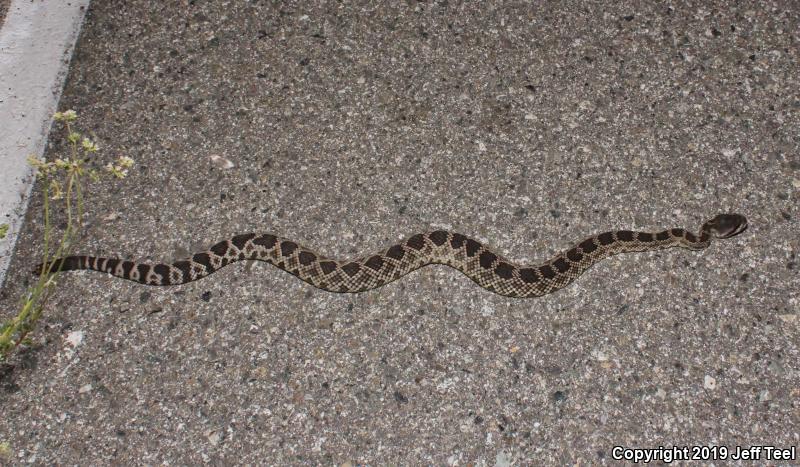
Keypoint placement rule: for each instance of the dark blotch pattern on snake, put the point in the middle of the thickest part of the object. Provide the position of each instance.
(488, 269)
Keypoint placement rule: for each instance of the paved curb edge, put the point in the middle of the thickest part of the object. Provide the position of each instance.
(37, 40)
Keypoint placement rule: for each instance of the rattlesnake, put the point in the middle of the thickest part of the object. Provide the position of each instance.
(488, 269)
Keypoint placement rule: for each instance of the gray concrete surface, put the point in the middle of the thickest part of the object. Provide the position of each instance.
(351, 127)
(36, 44)
(4, 4)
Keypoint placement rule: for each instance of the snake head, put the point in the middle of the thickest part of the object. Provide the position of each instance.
(727, 225)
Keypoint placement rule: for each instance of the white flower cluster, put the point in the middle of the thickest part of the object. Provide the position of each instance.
(120, 168)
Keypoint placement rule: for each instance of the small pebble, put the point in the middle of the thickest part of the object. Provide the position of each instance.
(222, 162)
(709, 382)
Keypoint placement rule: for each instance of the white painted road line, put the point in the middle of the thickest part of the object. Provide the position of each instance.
(36, 43)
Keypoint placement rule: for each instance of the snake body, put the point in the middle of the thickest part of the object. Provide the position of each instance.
(487, 268)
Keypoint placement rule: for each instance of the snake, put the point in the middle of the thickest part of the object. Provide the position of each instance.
(480, 263)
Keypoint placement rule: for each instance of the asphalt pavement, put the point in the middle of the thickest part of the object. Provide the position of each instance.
(347, 128)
